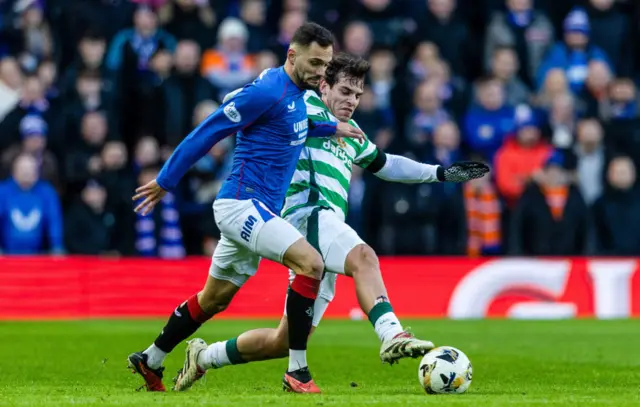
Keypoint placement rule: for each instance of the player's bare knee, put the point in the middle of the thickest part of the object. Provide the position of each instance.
(212, 303)
(311, 265)
(362, 260)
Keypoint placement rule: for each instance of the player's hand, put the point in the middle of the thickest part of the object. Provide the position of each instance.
(151, 194)
(346, 130)
(465, 171)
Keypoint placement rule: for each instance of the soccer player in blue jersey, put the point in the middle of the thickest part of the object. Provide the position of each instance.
(270, 118)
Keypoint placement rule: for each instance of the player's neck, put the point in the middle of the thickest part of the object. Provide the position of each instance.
(288, 69)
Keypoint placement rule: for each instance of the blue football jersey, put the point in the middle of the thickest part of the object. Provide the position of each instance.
(270, 118)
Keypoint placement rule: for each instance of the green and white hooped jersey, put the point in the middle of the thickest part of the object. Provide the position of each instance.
(323, 172)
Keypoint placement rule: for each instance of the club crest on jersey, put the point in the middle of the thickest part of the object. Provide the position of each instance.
(247, 228)
(232, 112)
(341, 142)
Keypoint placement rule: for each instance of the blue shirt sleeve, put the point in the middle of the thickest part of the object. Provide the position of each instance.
(322, 129)
(231, 117)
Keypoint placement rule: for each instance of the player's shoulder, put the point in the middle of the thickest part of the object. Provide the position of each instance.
(270, 79)
(311, 96)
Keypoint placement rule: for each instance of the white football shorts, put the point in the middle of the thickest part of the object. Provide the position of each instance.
(249, 232)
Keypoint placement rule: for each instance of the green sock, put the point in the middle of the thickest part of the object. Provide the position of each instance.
(384, 321)
(233, 353)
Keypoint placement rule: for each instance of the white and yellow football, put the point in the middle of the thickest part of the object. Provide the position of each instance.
(445, 370)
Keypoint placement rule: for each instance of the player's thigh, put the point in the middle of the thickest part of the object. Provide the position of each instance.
(232, 262)
(250, 224)
(336, 239)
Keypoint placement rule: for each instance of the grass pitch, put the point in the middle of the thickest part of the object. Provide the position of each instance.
(516, 363)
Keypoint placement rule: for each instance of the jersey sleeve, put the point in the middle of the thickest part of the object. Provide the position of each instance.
(365, 152)
(235, 114)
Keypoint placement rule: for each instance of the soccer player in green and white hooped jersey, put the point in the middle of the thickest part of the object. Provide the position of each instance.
(316, 204)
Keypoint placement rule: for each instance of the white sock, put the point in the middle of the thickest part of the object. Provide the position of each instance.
(155, 356)
(387, 326)
(297, 359)
(214, 357)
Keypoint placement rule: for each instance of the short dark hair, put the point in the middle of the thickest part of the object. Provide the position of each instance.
(351, 66)
(311, 32)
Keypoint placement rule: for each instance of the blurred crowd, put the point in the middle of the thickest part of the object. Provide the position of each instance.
(95, 94)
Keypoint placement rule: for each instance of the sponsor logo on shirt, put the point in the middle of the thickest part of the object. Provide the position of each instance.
(232, 113)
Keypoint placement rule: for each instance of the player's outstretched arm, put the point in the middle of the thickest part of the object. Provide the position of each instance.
(228, 119)
(245, 107)
(397, 168)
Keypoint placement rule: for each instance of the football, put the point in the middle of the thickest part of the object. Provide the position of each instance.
(445, 370)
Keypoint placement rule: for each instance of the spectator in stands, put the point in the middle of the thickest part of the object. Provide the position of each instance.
(131, 50)
(47, 72)
(479, 218)
(358, 38)
(427, 115)
(90, 96)
(11, 81)
(116, 174)
(526, 30)
(37, 39)
(555, 85)
(621, 101)
(446, 144)
(420, 65)
(596, 88)
(591, 160)
(616, 215)
(179, 95)
(32, 102)
(288, 23)
(574, 53)
(611, 31)
(383, 63)
(265, 60)
(229, 66)
(189, 20)
(147, 154)
(130, 58)
(158, 234)
(83, 160)
(29, 211)
(375, 122)
(253, 13)
(451, 35)
(89, 225)
(561, 122)
(623, 127)
(453, 89)
(489, 120)
(91, 52)
(384, 18)
(551, 218)
(504, 66)
(33, 131)
(520, 158)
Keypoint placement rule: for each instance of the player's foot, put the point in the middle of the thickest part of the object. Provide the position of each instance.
(190, 372)
(299, 381)
(403, 345)
(152, 377)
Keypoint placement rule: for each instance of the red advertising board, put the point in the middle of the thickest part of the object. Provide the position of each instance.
(77, 288)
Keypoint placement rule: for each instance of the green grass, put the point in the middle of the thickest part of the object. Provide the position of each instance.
(516, 363)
